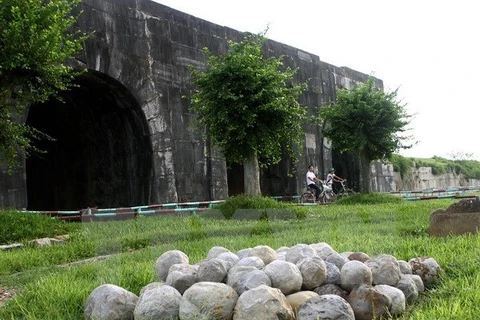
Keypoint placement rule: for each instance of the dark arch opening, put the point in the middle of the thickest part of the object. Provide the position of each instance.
(102, 153)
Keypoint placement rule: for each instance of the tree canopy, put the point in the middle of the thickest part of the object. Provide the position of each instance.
(367, 122)
(248, 105)
(36, 39)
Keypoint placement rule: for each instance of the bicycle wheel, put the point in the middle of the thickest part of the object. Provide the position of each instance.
(329, 196)
(342, 194)
(346, 193)
(307, 197)
(322, 198)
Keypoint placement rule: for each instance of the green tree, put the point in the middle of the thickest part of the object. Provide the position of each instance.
(249, 107)
(36, 40)
(368, 123)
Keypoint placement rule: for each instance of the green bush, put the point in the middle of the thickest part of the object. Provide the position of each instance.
(263, 208)
(469, 168)
(16, 226)
(401, 164)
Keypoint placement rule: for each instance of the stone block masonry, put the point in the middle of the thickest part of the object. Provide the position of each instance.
(124, 136)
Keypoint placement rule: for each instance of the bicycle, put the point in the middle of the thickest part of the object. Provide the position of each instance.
(344, 191)
(309, 196)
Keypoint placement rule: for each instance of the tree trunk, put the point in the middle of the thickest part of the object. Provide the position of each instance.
(364, 176)
(251, 176)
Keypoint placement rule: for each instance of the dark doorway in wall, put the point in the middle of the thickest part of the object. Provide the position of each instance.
(101, 155)
(346, 166)
(235, 179)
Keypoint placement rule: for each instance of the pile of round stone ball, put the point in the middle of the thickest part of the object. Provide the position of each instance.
(304, 282)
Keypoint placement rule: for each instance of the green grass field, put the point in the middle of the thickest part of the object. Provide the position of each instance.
(47, 290)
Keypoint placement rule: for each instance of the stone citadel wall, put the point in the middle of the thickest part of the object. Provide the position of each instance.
(385, 179)
(124, 137)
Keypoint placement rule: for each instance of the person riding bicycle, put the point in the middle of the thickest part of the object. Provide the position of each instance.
(311, 181)
(332, 177)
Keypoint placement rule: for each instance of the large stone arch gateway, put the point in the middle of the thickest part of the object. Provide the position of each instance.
(123, 136)
(102, 152)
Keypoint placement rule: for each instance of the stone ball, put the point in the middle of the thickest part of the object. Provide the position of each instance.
(109, 301)
(263, 302)
(208, 300)
(354, 273)
(161, 302)
(325, 307)
(166, 260)
(284, 275)
(428, 269)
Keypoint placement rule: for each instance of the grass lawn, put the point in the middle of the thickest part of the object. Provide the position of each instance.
(47, 291)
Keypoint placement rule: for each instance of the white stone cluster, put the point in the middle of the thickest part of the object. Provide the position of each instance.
(303, 282)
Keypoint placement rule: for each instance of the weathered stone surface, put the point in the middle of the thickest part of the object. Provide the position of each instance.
(298, 252)
(243, 253)
(418, 282)
(405, 267)
(182, 276)
(160, 302)
(323, 249)
(166, 260)
(110, 302)
(212, 270)
(251, 261)
(297, 298)
(266, 253)
(216, 251)
(330, 288)
(337, 259)
(428, 269)
(368, 303)
(229, 257)
(354, 273)
(208, 300)
(43, 242)
(326, 307)
(385, 269)
(154, 157)
(385, 179)
(284, 275)
(359, 256)
(250, 280)
(281, 255)
(6, 247)
(313, 271)
(460, 218)
(409, 288)
(152, 285)
(264, 303)
(265, 289)
(333, 273)
(282, 249)
(235, 273)
(396, 295)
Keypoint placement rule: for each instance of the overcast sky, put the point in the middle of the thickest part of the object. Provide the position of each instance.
(427, 49)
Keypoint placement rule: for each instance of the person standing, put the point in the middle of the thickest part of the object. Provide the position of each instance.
(312, 180)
